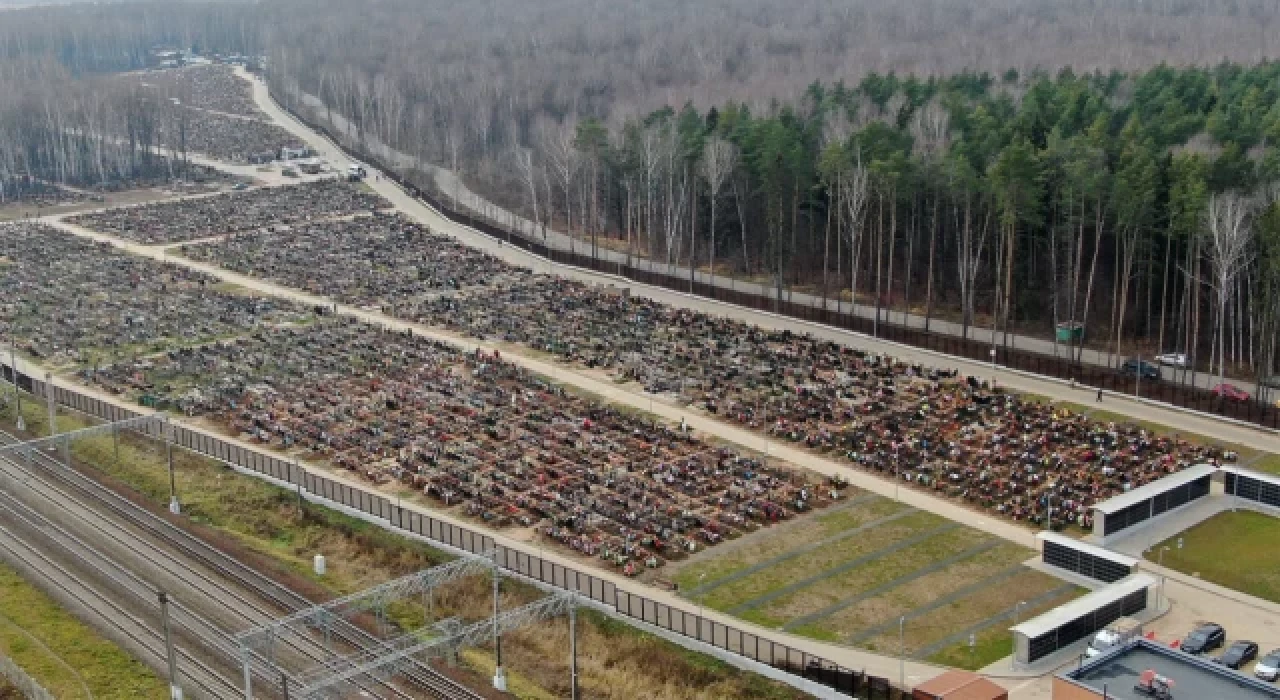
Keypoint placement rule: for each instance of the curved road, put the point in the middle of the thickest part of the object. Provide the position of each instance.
(597, 383)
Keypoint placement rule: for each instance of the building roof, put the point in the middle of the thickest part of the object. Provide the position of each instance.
(1159, 486)
(1194, 677)
(1084, 605)
(1093, 549)
(1260, 476)
(962, 685)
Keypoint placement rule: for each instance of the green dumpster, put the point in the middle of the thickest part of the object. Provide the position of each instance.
(1070, 332)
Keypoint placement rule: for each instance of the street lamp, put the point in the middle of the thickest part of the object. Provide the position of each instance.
(1160, 563)
(902, 653)
(1017, 614)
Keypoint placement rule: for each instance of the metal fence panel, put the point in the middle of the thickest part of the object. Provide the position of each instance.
(27, 686)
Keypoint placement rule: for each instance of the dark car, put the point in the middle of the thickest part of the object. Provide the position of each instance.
(1238, 654)
(1206, 637)
(1132, 367)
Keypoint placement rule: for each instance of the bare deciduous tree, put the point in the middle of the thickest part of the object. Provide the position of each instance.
(1229, 251)
(557, 142)
(855, 189)
(719, 159)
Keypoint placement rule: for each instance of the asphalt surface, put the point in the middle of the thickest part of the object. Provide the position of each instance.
(449, 183)
(873, 663)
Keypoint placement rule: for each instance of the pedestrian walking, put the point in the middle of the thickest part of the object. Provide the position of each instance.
(1099, 399)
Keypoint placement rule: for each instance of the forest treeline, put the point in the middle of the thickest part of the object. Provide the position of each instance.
(1011, 164)
(84, 132)
(1142, 206)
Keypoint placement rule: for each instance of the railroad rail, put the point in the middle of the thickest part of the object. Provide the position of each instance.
(70, 485)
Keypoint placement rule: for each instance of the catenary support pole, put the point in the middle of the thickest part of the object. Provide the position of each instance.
(20, 422)
(53, 406)
(573, 650)
(175, 689)
(167, 429)
(248, 672)
(499, 675)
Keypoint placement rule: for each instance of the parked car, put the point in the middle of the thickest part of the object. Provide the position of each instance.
(1272, 382)
(1132, 367)
(240, 187)
(1268, 668)
(1238, 654)
(1173, 359)
(1113, 635)
(1230, 391)
(1206, 637)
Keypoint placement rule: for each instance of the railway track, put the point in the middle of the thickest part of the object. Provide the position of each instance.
(178, 556)
(131, 617)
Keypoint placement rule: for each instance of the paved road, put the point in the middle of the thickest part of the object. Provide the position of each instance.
(597, 383)
(452, 186)
(1190, 599)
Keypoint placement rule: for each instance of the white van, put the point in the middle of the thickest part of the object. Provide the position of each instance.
(1114, 634)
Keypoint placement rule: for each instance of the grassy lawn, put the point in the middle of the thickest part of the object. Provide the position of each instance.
(872, 621)
(989, 646)
(264, 526)
(847, 623)
(45, 641)
(1236, 550)
(995, 642)
(1269, 463)
(971, 610)
(767, 544)
(782, 574)
(822, 594)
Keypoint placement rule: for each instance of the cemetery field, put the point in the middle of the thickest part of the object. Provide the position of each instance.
(850, 574)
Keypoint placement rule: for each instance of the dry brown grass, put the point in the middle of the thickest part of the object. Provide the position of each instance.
(973, 609)
(785, 573)
(917, 593)
(765, 544)
(812, 599)
(261, 523)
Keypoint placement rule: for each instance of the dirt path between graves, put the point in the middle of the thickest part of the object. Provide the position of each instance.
(1023, 688)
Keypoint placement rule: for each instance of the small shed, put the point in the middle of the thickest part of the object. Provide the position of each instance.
(959, 685)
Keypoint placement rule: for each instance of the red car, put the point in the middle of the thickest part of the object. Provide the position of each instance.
(1230, 391)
